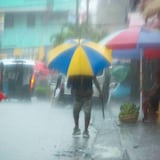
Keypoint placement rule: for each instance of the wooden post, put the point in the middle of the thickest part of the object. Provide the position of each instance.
(158, 113)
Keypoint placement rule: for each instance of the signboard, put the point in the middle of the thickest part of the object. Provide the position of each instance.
(17, 52)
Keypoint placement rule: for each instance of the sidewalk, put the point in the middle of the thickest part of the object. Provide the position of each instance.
(119, 141)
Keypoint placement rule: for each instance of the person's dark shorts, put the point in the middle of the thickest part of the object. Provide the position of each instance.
(83, 103)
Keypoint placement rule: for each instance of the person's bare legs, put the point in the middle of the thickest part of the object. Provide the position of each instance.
(87, 117)
(87, 121)
(146, 106)
(76, 112)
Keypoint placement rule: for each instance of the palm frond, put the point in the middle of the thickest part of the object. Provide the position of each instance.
(152, 8)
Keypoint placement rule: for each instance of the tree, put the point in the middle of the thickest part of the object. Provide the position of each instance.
(151, 12)
(77, 31)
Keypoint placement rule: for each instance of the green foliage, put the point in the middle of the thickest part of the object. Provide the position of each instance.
(128, 109)
(77, 31)
(42, 91)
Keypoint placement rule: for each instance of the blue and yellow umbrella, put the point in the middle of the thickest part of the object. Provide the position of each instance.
(79, 57)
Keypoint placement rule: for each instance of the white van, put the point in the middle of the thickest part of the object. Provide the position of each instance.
(103, 79)
(17, 78)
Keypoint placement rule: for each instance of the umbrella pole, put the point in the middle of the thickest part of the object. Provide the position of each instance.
(141, 86)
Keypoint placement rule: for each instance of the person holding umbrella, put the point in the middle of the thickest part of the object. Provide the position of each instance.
(81, 60)
(82, 90)
(152, 97)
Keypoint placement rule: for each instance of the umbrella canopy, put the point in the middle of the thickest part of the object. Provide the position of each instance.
(41, 67)
(79, 57)
(126, 43)
(134, 42)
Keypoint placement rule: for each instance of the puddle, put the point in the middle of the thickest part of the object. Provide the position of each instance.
(107, 152)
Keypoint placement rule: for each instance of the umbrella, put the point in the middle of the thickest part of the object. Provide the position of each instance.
(79, 57)
(41, 67)
(134, 43)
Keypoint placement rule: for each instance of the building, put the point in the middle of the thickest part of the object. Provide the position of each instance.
(108, 15)
(28, 28)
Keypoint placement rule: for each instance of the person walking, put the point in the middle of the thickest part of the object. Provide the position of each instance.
(82, 90)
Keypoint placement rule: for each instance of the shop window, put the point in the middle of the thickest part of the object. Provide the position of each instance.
(9, 21)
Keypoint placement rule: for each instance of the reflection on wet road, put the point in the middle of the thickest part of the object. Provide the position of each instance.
(79, 149)
(39, 131)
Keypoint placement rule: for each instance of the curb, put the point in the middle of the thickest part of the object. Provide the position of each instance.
(107, 145)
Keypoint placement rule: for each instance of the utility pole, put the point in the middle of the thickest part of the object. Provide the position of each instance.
(77, 12)
(87, 11)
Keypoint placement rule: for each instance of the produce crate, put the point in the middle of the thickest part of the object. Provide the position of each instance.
(129, 118)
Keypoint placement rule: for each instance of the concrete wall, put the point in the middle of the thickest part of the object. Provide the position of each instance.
(20, 35)
(110, 14)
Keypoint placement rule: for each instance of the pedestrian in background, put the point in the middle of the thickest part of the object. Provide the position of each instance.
(82, 90)
(152, 97)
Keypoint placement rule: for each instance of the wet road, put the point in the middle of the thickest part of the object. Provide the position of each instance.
(39, 131)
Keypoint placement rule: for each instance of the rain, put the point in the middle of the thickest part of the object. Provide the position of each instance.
(40, 131)
(45, 43)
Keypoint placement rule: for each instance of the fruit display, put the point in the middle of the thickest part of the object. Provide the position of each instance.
(129, 112)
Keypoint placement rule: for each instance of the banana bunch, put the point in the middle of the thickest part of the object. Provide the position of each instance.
(128, 109)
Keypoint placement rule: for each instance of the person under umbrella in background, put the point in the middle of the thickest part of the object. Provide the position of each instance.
(81, 89)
